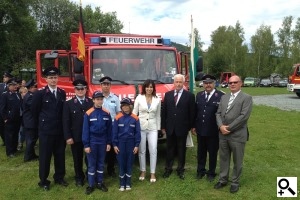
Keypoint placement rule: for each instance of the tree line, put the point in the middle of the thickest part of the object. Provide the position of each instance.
(28, 25)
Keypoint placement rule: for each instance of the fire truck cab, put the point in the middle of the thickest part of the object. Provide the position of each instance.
(128, 59)
(294, 80)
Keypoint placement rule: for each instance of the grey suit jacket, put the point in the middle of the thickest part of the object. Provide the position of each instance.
(236, 117)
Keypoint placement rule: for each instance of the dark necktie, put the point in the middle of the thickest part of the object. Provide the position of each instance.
(206, 98)
(81, 101)
(176, 97)
(54, 93)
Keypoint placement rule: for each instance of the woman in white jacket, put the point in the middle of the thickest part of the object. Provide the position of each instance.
(148, 106)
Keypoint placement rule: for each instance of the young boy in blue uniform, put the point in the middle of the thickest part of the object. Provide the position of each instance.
(96, 138)
(126, 140)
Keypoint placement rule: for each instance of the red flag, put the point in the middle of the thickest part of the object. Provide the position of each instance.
(81, 46)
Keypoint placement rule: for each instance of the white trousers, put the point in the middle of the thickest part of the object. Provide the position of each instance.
(151, 137)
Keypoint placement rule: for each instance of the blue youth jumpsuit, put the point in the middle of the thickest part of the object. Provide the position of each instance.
(96, 134)
(126, 136)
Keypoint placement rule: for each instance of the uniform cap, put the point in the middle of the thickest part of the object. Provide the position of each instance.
(105, 79)
(97, 94)
(51, 71)
(208, 78)
(7, 74)
(126, 100)
(30, 83)
(79, 83)
(12, 82)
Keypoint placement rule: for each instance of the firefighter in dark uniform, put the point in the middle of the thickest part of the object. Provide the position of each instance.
(10, 108)
(3, 87)
(207, 103)
(29, 123)
(73, 112)
(47, 107)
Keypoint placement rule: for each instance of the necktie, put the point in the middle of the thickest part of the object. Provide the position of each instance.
(230, 102)
(81, 101)
(54, 93)
(207, 95)
(176, 97)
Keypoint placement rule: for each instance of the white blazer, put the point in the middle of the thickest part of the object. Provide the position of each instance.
(149, 118)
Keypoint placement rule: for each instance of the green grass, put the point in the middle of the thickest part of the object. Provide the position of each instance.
(272, 151)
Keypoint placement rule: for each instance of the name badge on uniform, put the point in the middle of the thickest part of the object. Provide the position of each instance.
(93, 119)
(112, 101)
(132, 125)
(105, 118)
(120, 124)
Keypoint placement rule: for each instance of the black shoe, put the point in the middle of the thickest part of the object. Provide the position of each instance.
(102, 187)
(167, 173)
(220, 185)
(112, 174)
(181, 175)
(210, 178)
(11, 155)
(79, 183)
(62, 183)
(34, 158)
(45, 187)
(89, 190)
(200, 175)
(234, 188)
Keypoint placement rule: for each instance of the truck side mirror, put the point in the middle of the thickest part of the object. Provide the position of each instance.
(51, 55)
(78, 65)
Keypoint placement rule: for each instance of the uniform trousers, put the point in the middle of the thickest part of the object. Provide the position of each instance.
(51, 145)
(237, 149)
(11, 131)
(125, 159)
(151, 137)
(210, 145)
(31, 136)
(96, 160)
(77, 153)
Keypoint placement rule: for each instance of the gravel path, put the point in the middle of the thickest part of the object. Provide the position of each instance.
(281, 101)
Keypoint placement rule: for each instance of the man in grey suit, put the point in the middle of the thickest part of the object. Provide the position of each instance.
(232, 116)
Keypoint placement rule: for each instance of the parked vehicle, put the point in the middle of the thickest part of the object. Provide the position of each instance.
(283, 83)
(251, 82)
(294, 80)
(265, 83)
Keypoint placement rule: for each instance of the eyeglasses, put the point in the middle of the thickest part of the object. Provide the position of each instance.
(233, 82)
(79, 88)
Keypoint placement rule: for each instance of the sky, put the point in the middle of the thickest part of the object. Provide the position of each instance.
(172, 18)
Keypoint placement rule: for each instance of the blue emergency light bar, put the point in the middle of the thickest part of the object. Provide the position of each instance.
(130, 40)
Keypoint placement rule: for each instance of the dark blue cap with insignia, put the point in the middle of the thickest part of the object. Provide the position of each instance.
(30, 83)
(7, 74)
(97, 94)
(79, 83)
(208, 78)
(51, 71)
(126, 100)
(105, 79)
(12, 82)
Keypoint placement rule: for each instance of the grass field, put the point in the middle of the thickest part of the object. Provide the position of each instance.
(272, 151)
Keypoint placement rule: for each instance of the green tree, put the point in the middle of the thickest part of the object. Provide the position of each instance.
(295, 49)
(263, 50)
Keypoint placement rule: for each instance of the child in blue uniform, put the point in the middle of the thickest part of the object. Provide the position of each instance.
(96, 137)
(126, 140)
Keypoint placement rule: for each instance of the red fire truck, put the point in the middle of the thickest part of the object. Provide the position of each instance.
(128, 59)
(294, 80)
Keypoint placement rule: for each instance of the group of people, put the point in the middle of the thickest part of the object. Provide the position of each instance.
(106, 128)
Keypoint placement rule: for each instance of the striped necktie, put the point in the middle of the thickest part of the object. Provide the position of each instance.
(230, 102)
(206, 98)
(176, 97)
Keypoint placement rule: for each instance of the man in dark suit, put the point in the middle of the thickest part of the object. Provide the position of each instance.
(29, 123)
(3, 87)
(232, 117)
(178, 114)
(207, 103)
(46, 108)
(73, 112)
(10, 107)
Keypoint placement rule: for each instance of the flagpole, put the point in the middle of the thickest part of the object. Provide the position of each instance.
(192, 56)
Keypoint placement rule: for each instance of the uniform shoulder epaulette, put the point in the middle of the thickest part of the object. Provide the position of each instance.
(134, 116)
(119, 115)
(42, 88)
(89, 111)
(105, 110)
(4, 92)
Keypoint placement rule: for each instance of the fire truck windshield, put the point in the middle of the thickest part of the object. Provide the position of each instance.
(133, 65)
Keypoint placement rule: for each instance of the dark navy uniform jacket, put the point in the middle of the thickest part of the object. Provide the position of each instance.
(206, 113)
(10, 106)
(28, 120)
(73, 117)
(48, 110)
